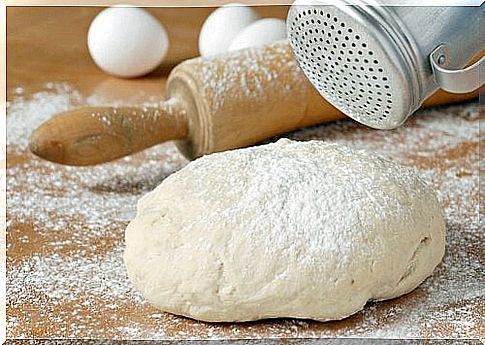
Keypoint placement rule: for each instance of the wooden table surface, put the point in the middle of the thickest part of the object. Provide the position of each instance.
(65, 274)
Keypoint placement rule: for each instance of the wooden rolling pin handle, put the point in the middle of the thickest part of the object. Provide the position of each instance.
(94, 135)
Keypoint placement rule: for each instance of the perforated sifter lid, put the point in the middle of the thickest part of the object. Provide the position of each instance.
(356, 60)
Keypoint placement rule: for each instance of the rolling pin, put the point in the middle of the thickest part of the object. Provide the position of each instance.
(213, 104)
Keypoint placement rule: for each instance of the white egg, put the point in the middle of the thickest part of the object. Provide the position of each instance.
(127, 41)
(263, 31)
(222, 25)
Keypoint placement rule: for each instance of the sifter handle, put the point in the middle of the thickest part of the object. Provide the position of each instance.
(459, 80)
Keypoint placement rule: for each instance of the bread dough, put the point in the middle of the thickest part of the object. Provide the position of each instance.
(289, 229)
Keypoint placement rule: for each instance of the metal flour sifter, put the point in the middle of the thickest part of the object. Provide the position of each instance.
(377, 64)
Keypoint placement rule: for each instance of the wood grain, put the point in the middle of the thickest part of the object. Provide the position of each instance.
(46, 46)
(94, 135)
(49, 43)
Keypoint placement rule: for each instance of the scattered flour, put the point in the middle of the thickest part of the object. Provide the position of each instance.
(65, 275)
(25, 115)
(264, 66)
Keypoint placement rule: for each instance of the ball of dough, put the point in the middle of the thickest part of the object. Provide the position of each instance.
(261, 32)
(291, 229)
(222, 25)
(127, 41)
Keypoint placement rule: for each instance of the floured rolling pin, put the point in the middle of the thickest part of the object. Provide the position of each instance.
(213, 104)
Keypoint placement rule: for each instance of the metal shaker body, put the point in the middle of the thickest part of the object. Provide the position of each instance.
(373, 62)
(455, 27)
